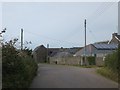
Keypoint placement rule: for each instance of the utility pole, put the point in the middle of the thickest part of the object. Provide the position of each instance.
(21, 39)
(47, 53)
(85, 43)
(118, 46)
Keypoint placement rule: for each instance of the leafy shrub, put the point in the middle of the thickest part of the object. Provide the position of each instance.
(112, 66)
(18, 68)
(111, 61)
(91, 60)
(108, 73)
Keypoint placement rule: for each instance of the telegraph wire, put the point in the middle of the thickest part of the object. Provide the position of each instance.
(46, 37)
(97, 14)
(104, 6)
(100, 11)
(38, 35)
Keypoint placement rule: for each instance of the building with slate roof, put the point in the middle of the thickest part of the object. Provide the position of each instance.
(53, 51)
(115, 39)
(73, 50)
(97, 49)
(40, 54)
(62, 54)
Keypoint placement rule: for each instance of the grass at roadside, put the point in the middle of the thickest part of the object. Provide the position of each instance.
(88, 66)
(108, 73)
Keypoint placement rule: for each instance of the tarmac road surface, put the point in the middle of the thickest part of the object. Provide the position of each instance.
(61, 76)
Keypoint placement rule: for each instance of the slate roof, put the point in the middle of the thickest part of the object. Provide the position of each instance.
(97, 48)
(53, 51)
(118, 37)
(62, 54)
(38, 47)
(105, 46)
(73, 50)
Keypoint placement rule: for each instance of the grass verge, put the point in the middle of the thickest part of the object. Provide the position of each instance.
(88, 66)
(108, 73)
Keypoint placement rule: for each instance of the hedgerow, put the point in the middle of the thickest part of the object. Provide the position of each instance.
(112, 66)
(18, 68)
(91, 60)
(111, 61)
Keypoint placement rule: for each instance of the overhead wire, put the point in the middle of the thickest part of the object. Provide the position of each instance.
(99, 11)
(49, 38)
(92, 18)
(41, 36)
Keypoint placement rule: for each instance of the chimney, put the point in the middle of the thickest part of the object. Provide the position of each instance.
(114, 34)
(62, 49)
(118, 31)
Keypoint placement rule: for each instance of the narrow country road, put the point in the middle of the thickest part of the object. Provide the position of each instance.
(60, 76)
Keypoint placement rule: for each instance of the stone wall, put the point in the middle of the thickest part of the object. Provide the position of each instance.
(65, 60)
(74, 61)
(99, 61)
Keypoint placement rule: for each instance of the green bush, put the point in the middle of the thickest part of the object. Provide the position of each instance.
(112, 66)
(91, 60)
(111, 61)
(108, 73)
(18, 68)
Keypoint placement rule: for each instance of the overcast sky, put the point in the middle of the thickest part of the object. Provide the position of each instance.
(60, 24)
